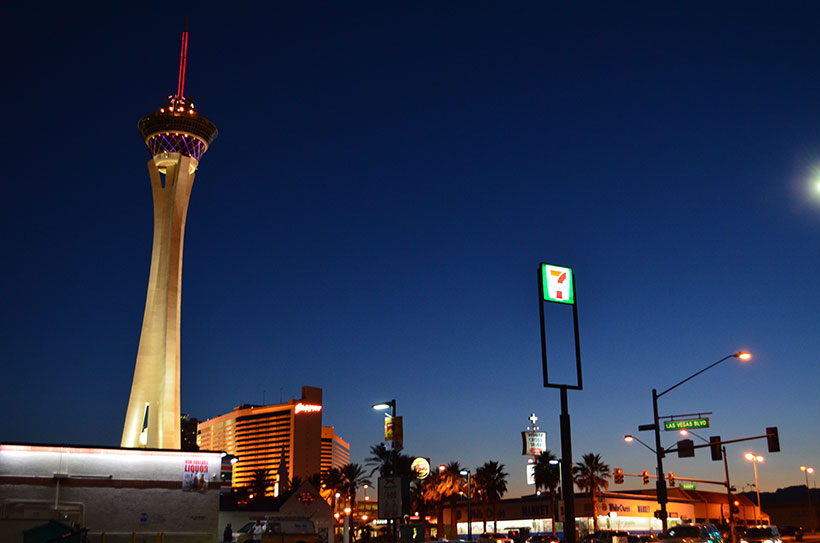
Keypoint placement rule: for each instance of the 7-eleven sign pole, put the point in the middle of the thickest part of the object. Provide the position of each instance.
(557, 284)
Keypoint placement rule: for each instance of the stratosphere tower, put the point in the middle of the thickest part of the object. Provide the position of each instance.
(177, 136)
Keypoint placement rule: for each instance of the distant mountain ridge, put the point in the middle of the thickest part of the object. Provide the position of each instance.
(790, 494)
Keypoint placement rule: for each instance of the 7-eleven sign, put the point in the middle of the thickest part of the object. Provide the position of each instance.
(557, 284)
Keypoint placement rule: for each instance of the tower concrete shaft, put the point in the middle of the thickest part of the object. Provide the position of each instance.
(153, 416)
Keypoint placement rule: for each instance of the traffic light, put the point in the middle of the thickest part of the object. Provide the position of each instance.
(734, 508)
(645, 476)
(619, 476)
(686, 448)
(773, 439)
(714, 445)
(671, 478)
(657, 513)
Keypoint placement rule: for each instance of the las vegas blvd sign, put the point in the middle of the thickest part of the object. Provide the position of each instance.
(686, 424)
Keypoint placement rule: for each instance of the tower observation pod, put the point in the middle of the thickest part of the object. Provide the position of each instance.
(177, 136)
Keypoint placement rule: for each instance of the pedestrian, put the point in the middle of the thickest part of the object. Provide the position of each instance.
(258, 530)
(227, 535)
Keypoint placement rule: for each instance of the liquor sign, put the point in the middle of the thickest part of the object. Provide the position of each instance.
(686, 424)
(195, 476)
(533, 442)
(557, 284)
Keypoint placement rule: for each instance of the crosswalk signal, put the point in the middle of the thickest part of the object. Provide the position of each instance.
(671, 478)
(619, 476)
(645, 476)
(714, 446)
(773, 439)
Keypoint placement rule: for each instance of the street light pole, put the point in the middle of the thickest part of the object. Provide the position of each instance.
(468, 473)
(754, 459)
(660, 484)
(806, 471)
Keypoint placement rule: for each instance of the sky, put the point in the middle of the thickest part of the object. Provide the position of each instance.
(371, 218)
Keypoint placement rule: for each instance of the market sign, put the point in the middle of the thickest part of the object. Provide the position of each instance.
(533, 442)
(557, 284)
(686, 424)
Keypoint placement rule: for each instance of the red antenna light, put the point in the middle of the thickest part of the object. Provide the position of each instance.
(183, 59)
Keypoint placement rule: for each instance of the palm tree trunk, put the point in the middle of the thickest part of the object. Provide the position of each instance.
(484, 514)
(594, 509)
(554, 512)
(440, 519)
(495, 516)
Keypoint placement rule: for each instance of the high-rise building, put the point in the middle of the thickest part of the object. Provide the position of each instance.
(285, 439)
(177, 136)
(335, 450)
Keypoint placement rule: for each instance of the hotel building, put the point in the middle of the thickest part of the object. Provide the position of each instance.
(286, 439)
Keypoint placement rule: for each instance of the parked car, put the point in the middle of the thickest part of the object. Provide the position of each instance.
(691, 533)
(543, 538)
(490, 537)
(761, 534)
(606, 536)
(281, 530)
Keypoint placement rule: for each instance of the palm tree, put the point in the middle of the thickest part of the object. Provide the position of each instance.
(380, 459)
(591, 475)
(548, 478)
(491, 480)
(332, 484)
(260, 482)
(431, 493)
(353, 476)
(388, 461)
(450, 485)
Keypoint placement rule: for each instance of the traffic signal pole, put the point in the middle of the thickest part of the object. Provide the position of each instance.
(728, 495)
(660, 483)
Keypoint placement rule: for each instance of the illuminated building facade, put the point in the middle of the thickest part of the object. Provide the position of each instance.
(177, 136)
(286, 439)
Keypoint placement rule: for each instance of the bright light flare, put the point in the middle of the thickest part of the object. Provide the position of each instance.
(754, 457)
(744, 355)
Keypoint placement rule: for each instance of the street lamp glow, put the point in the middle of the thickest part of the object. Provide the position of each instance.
(754, 457)
(744, 355)
(628, 438)
(806, 469)
(382, 406)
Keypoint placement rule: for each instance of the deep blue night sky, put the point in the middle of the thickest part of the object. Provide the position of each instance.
(371, 217)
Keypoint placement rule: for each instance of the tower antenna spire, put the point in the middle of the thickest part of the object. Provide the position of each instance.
(183, 60)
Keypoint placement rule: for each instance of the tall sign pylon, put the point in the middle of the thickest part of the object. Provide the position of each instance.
(177, 136)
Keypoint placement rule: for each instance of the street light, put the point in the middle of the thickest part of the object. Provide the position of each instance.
(660, 484)
(806, 470)
(469, 474)
(381, 406)
(754, 459)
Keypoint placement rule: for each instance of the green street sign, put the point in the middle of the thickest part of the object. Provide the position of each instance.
(688, 486)
(686, 424)
(557, 284)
